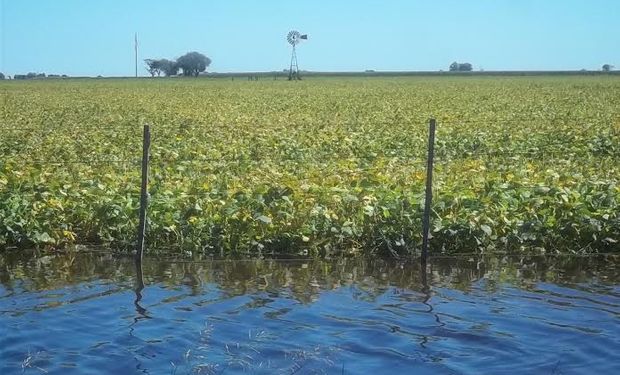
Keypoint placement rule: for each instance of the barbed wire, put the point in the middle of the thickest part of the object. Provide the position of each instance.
(512, 185)
(564, 142)
(446, 153)
(323, 122)
(289, 158)
(50, 131)
(452, 121)
(339, 162)
(71, 128)
(23, 161)
(531, 154)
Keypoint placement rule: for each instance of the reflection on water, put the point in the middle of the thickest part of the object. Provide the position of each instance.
(88, 313)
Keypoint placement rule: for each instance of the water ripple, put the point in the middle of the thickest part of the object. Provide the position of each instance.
(332, 317)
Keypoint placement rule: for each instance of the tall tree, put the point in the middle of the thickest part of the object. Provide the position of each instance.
(1, 75)
(193, 63)
(456, 67)
(466, 67)
(153, 67)
(608, 68)
(169, 68)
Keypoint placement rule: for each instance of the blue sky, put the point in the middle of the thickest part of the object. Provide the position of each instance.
(83, 37)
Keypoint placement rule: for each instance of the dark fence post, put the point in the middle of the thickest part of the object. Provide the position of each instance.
(426, 221)
(144, 197)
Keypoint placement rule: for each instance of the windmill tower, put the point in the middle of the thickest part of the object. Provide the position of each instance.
(294, 38)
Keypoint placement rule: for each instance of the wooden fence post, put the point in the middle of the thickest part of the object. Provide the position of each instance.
(144, 195)
(426, 220)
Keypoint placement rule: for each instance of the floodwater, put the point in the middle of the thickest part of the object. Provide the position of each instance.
(81, 314)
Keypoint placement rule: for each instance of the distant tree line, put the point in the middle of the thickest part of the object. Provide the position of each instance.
(458, 67)
(32, 75)
(191, 64)
(467, 67)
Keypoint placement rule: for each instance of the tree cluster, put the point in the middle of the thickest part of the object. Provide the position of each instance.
(165, 66)
(458, 67)
(30, 75)
(1, 75)
(191, 64)
(608, 68)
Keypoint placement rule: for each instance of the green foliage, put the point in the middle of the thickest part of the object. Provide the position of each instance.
(193, 63)
(323, 166)
(154, 67)
(608, 68)
(461, 67)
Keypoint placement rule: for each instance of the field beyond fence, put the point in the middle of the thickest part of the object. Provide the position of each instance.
(315, 167)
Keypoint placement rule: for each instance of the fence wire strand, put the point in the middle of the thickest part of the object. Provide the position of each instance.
(418, 122)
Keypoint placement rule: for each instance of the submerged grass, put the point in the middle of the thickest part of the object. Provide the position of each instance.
(320, 166)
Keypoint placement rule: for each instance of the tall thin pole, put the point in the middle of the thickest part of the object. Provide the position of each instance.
(136, 51)
(146, 144)
(429, 191)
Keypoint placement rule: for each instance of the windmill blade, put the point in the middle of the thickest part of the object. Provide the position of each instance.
(293, 37)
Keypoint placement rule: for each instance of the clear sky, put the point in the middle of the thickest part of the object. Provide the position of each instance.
(92, 37)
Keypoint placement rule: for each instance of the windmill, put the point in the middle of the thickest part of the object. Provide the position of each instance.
(294, 38)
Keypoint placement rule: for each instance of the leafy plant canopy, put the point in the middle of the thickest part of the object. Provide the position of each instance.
(324, 166)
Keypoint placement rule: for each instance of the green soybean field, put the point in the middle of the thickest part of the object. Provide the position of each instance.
(323, 166)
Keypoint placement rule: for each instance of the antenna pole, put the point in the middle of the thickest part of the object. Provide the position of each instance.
(136, 51)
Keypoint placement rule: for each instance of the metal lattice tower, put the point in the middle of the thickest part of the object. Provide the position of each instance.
(294, 38)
